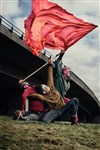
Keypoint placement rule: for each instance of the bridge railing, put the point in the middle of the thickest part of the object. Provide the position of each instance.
(13, 29)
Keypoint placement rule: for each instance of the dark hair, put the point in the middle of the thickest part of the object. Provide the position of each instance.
(38, 88)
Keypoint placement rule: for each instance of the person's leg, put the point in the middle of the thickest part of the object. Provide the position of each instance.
(32, 117)
(50, 116)
(28, 116)
(54, 114)
(70, 109)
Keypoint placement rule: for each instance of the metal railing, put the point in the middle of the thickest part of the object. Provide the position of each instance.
(13, 29)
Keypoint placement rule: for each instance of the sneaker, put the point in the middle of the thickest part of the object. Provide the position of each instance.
(74, 121)
(17, 115)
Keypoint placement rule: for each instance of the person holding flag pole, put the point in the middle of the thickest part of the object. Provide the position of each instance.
(45, 94)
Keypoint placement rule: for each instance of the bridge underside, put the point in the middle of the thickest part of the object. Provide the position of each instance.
(17, 62)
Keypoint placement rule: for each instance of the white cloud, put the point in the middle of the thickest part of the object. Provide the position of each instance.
(10, 8)
(19, 22)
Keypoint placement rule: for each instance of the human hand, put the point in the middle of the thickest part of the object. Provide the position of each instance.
(61, 53)
(20, 81)
(22, 112)
(50, 61)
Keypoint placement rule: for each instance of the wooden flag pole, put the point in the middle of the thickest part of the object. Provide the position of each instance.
(38, 69)
(34, 72)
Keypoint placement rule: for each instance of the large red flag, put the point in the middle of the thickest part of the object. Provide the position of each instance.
(51, 26)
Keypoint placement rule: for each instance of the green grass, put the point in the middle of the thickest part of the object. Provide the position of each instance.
(20, 135)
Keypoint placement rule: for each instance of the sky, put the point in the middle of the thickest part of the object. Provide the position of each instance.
(84, 56)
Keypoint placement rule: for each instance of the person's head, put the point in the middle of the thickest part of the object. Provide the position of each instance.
(66, 71)
(24, 85)
(42, 89)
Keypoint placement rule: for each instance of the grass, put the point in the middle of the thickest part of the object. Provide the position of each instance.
(20, 135)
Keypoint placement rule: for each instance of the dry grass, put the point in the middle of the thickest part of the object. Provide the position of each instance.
(20, 135)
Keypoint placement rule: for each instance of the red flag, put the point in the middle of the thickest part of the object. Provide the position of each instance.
(51, 26)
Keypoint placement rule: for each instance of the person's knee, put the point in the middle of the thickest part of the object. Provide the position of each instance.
(75, 100)
(50, 116)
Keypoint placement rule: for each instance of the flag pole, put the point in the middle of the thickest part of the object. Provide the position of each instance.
(38, 69)
(34, 72)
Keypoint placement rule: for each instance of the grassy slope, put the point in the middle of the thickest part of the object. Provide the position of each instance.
(20, 135)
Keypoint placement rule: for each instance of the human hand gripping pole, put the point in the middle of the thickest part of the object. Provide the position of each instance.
(60, 55)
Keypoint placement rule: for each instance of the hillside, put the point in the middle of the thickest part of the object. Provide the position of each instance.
(20, 135)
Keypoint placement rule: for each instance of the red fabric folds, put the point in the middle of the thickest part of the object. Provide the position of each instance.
(51, 26)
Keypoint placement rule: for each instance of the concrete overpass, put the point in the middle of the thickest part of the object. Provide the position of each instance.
(17, 62)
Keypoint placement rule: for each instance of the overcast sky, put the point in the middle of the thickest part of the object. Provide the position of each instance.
(84, 56)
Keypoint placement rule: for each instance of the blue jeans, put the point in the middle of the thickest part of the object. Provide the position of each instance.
(70, 109)
(32, 116)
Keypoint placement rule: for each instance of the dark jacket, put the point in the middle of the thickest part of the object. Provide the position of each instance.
(61, 81)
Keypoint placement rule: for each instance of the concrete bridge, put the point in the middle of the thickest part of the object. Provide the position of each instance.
(17, 62)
